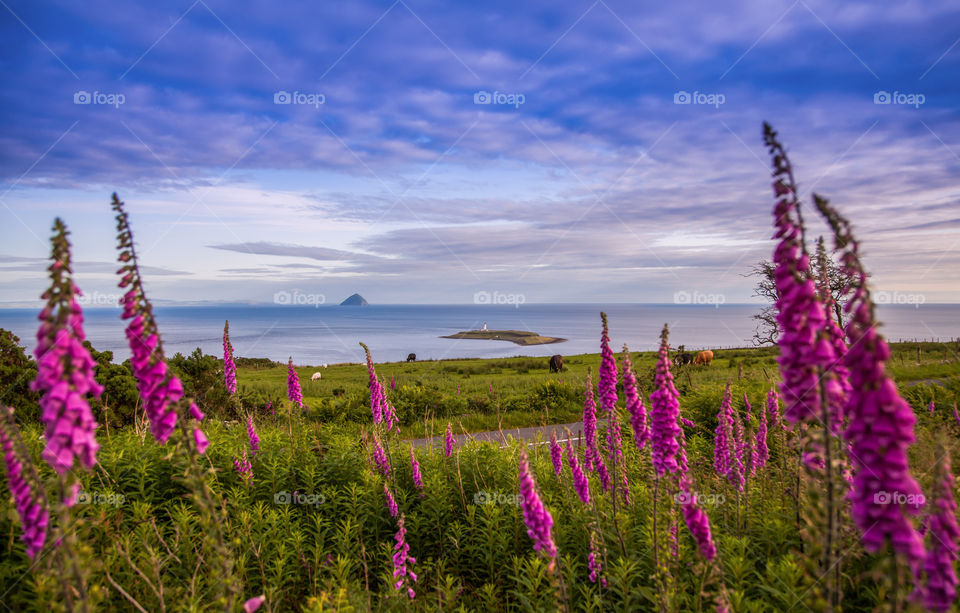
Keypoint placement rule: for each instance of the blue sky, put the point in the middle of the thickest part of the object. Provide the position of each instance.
(430, 150)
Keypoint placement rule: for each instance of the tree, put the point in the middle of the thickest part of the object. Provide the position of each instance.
(767, 331)
(17, 370)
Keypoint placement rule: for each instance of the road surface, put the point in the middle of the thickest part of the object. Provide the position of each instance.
(494, 436)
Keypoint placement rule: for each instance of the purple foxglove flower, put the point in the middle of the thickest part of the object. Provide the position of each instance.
(402, 561)
(804, 352)
(393, 383)
(200, 440)
(956, 416)
(638, 414)
(607, 379)
(697, 521)
(380, 458)
(664, 413)
(773, 406)
(615, 449)
(879, 421)
(391, 503)
(415, 468)
(535, 515)
(580, 482)
(65, 368)
(590, 425)
(687, 423)
(27, 496)
(252, 435)
(556, 453)
(721, 442)
(594, 558)
(229, 367)
(448, 441)
(940, 589)
(931, 407)
(160, 390)
(195, 412)
(836, 377)
(243, 467)
(293, 385)
(253, 604)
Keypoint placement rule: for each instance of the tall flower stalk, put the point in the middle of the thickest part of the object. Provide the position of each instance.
(293, 385)
(229, 367)
(638, 414)
(415, 471)
(940, 588)
(29, 498)
(64, 379)
(162, 394)
(580, 482)
(402, 561)
(590, 425)
(607, 388)
(556, 454)
(536, 517)
(665, 432)
(252, 437)
(448, 441)
(724, 432)
(65, 369)
(879, 421)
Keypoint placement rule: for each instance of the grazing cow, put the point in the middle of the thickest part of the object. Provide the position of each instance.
(412, 357)
(704, 357)
(315, 377)
(683, 359)
(556, 363)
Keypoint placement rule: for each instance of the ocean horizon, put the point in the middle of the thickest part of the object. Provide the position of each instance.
(331, 334)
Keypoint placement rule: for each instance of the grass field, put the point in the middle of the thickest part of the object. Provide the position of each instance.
(478, 395)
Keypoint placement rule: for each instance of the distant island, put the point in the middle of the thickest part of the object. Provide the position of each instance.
(355, 300)
(514, 336)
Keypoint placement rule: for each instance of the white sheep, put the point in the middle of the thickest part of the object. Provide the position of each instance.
(316, 376)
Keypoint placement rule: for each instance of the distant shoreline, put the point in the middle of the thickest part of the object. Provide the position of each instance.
(517, 337)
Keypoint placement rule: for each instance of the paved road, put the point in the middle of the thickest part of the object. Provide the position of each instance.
(527, 434)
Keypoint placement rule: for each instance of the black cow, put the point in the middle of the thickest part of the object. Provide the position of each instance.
(556, 363)
(683, 359)
(412, 357)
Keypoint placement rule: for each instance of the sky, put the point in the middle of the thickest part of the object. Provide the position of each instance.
(438, 152)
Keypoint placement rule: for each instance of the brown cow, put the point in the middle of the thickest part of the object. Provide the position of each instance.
(704, 357)
(556, 363)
